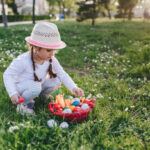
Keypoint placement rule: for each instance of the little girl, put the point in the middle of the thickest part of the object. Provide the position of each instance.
(38, 71)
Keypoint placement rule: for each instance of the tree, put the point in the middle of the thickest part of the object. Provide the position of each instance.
(69, 6)
(4, 15)
(87, 10)
(66, 7)
(33, 12)
(106, 4)
(146, 13)
(52, 4)
(12, 4)
(125, 8)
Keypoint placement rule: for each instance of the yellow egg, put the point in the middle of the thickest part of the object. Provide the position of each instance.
(72, 107)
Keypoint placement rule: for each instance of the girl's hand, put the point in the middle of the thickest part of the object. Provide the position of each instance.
(15, 99)
(77, 92)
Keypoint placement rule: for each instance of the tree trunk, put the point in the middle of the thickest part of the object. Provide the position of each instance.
(63, 4)
(130, 14)
(109, 14)
(124, 14)
(94, 12)
(108, 10)
(59, 11)
(33, 12)
(93, 21)
(12, 4)
(4, 15)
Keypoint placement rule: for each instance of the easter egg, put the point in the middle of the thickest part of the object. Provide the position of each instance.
(84, 101)
(65, 108)
(85, 106)
(75, 99)
(75, 103)
(67, 111)
(60, 110)
(21, 100)
(79, 105)
(72, 107)
(67, 102)
(57, 106)
(51, 123)
(64, 125)
(77, 109)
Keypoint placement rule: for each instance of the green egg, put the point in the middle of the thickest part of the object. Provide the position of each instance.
(65, 108)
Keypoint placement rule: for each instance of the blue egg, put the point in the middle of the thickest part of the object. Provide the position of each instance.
(75, 103)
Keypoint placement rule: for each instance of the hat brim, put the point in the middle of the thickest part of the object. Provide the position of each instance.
(58, 46)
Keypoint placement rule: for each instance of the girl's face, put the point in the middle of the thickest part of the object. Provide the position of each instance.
(45, 54)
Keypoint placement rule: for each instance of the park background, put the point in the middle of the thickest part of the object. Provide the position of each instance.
(107, 55)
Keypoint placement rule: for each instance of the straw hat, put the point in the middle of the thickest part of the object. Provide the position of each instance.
(46, 35)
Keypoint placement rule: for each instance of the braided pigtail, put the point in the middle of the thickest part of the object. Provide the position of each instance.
(50, 70)
(33, 63)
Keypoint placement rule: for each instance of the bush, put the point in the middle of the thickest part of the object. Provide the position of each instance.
(13, 18)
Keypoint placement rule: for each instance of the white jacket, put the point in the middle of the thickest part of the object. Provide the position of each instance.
(21, 69)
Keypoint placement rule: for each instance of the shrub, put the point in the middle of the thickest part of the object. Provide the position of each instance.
(13, 18)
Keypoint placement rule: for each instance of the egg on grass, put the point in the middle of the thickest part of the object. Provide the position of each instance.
(51, 123)
(64, 125)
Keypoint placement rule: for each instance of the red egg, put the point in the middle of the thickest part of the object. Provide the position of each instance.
(57, 107)
(21, 100)
(60, 110)
(77, 109)
(86, 101)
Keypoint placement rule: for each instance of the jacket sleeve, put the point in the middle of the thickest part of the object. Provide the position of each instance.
(62, 75)
(11, 74)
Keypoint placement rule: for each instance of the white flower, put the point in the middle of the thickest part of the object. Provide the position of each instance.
(132, 106)
(99, 95)
(127, 109)
(85, 58)
(94, 60)
(12, 128)
(95, 85)
(100, 121)
(28, 122)
(89, 96)
(109, 98)
(21, 124)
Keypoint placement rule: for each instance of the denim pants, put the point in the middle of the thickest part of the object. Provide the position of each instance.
(32, 89)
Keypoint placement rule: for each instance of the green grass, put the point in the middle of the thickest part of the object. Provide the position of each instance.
(111, 63)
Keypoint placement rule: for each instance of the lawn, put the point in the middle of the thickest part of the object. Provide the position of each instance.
(111, 63)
